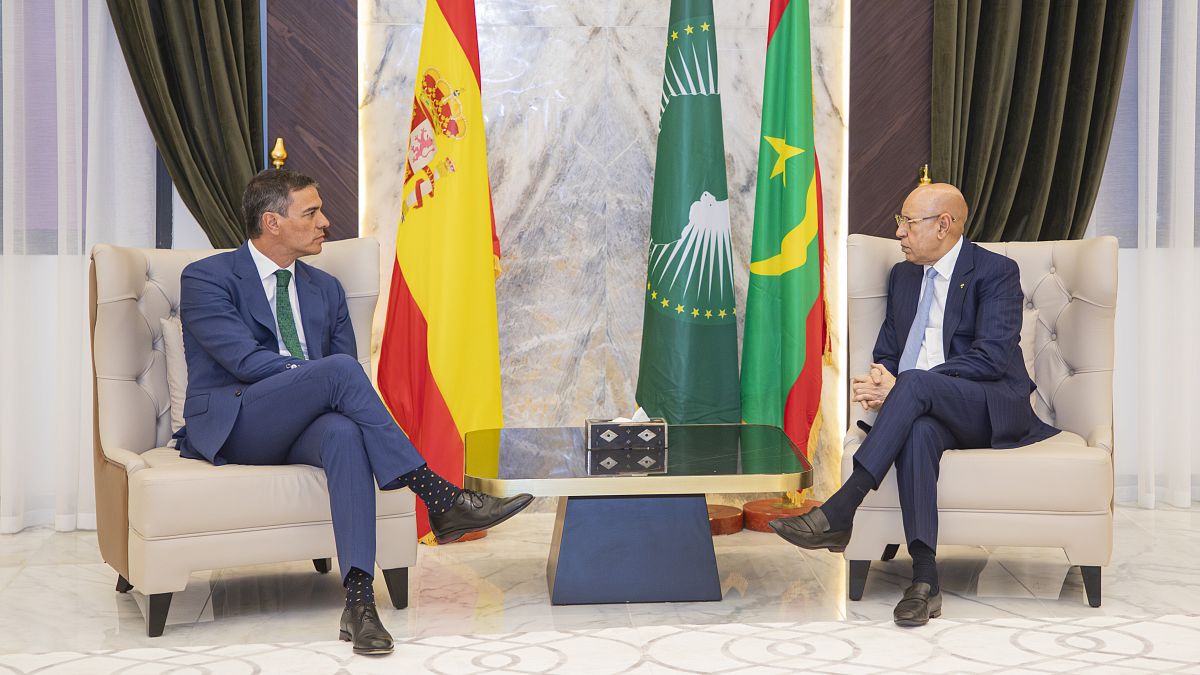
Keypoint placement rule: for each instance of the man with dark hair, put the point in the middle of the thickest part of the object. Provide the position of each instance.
(270, 192)
(273, 378)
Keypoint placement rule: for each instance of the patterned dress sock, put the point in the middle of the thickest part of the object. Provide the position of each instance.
(924, 564)
(360, 589)
(437, 492)
(839, 509)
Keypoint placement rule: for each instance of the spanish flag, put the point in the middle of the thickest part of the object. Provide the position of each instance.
(439, 362)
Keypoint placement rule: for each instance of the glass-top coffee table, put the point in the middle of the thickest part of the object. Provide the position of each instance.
(634, 538)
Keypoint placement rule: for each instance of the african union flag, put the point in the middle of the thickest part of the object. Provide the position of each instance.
(688, 370)
(439, 364)
(785, 339)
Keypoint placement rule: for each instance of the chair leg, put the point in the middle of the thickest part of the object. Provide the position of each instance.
(889, 552)
(123, 585)
(397, 585)
(1091, 583)
(323, 565)
(858, 577)
(156, 614)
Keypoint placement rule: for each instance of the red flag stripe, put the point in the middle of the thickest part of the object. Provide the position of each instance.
(410, 390)
(460, 15)
(804, 398)
(778, 7)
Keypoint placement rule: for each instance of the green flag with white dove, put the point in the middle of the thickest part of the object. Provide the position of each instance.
(689, 370)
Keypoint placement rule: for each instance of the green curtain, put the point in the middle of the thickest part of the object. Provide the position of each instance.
(197, 67)
(1024, 96)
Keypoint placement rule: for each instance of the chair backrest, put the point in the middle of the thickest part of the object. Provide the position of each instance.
(1070, 292)
(133, 288)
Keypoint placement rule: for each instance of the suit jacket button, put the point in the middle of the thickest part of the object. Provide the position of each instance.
(237, 392)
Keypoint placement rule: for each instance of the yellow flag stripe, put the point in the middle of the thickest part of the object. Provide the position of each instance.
(444, 247)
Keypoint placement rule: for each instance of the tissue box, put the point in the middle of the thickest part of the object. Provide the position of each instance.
(607, 435)
(627, 461)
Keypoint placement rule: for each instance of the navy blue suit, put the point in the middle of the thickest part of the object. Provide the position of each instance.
(247, 404)
(978, 398)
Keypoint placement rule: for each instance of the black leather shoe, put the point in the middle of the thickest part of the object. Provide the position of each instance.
(361, 625)
(918, 606)
(474, 511)
(811, 531)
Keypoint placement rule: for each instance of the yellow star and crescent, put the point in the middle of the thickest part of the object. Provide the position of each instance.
(786, 152)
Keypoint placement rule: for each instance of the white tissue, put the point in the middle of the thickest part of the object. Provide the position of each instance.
(639, 415)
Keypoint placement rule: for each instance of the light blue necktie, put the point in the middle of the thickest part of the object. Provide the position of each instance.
(916, 334)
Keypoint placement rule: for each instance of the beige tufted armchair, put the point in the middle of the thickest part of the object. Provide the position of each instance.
(161, 517)
(1056, 493)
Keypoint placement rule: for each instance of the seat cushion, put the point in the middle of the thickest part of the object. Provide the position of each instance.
(177, 496)
(1060, 474)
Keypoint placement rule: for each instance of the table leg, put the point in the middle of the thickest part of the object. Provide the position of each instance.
(651, 548)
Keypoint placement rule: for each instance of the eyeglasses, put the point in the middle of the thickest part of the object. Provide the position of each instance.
(904, 221)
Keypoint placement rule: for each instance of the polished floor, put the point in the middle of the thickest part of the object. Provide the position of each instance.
(473, 604)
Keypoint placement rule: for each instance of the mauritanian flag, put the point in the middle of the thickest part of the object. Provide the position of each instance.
(688, 370)
(785, 339)
(439, 364)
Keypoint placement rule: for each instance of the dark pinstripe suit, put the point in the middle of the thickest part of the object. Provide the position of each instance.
(978, 398)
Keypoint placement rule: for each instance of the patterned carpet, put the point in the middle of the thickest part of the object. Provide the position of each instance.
(1096, 644)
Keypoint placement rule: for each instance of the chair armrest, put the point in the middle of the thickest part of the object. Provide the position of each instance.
(854, 438)
(128, 460)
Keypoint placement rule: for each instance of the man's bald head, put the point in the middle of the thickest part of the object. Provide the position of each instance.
(933, 217)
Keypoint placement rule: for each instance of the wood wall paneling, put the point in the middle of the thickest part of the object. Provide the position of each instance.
(312, 98)
(891, 67)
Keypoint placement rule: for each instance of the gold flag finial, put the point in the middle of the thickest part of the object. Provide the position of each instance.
(923, 180)
(279, 154)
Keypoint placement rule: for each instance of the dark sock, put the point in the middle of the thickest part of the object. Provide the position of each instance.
(437, 492)
(924, 564)
(840, 507)
(359, 588)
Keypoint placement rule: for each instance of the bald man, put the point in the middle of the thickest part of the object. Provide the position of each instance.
(948, 373)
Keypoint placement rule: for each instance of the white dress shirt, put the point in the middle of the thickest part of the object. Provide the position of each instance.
(266, 272)
(932, 353)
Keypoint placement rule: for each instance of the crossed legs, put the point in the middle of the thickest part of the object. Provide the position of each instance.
(334, 443)
(924, 414)
(326, 413)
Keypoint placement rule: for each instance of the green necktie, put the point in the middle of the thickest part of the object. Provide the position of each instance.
(283, 309)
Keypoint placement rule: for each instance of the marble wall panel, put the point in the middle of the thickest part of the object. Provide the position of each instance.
(570, 92)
